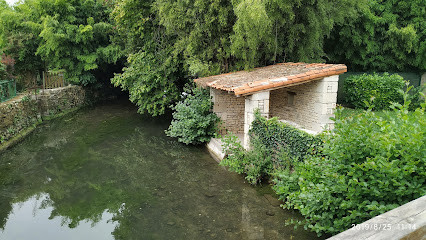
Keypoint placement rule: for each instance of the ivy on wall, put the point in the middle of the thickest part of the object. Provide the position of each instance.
(281, 137)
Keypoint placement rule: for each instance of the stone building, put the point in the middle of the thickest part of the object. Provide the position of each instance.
(301, 94)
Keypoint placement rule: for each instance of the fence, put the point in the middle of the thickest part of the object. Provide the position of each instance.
(53, 80)
(7, 90)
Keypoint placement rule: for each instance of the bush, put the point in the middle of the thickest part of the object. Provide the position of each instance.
(274, 145)
(368, 165)
(381, 89)
(193, 120)
(255, 164)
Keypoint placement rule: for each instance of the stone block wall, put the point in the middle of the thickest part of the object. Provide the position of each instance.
(52, 101)
(309, 105)
(28, 109)
(230, 109)
(16, 115)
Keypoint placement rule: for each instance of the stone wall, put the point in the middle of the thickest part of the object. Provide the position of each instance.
(230, 109)
(53, 101)
(27, 110)
(308, 106)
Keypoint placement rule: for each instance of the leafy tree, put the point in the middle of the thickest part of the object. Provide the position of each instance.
(277, 31)
(202, 30)
(55, 35)
(75, 37)
(18, 38)
(153, 76)
(387, 36)
(178, 40)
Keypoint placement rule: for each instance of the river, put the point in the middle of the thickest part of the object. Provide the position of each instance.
(107, 172)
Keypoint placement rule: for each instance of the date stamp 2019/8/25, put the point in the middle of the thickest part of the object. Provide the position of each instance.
(383, 226)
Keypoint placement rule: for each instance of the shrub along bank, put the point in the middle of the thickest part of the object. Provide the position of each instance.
(194, 122)
(367, 165)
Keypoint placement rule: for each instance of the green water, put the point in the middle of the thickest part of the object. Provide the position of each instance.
(110, 173)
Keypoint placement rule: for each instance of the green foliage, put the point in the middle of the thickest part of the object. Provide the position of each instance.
(375, 89)
(255, 163)
(3, 73)
(201, 30)
(276, 31)
(200, 38)
(148, 84)
(153, 76)
(193, 120)
(274, 145)
(53, 35)
(368, 165)
(386, 36)
(279, 137)
(19, 38)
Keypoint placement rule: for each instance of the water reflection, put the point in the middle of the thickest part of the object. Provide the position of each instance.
(37, 218)
(110, 172)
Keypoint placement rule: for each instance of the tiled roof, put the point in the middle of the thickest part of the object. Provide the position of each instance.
(271, 77)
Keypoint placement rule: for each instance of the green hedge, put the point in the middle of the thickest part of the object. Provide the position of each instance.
(281, 137)
(380, 90)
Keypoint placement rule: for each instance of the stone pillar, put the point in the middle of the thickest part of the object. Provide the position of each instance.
(423, 82)
(327, 92)
(256, 101)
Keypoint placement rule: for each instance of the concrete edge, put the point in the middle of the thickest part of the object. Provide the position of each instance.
(215, 149)
(404, 222)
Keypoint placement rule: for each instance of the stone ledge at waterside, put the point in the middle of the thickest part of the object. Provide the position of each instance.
(407, 222)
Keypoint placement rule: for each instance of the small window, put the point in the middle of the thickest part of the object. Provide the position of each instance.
(290, 98)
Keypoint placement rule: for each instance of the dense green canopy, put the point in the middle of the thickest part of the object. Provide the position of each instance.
(70, 35)
(388, 35)
(169, 42)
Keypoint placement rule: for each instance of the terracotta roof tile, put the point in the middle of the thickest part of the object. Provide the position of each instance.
(274, 76)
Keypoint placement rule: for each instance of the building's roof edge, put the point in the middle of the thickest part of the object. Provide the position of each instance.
(274, 83)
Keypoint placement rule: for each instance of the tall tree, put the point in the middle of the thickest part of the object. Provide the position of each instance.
(70, 35)
(389, 35)
(202, 30)
(153, 75)
(277, 31)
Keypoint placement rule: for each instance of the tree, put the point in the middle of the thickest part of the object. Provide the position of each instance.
(387, 36)
(278, 31)
(179, 40)
(202, 30)
(18, 38)
(60, 35)
(154, 75)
